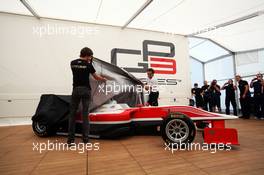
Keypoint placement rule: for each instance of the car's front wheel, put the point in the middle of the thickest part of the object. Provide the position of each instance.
(178, 129)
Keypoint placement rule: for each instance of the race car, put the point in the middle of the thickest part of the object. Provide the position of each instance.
(115, 114)
(177, 123)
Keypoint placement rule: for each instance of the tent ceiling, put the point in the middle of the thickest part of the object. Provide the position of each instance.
(13, 6)
(245, 35)
(204, 50)
(94, 11)
(172, 16)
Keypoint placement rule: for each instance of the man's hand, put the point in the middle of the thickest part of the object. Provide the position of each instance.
(146, 87)
(104, 79)
(98, 77)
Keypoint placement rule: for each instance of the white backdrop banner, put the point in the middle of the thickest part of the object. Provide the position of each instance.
(36, 54)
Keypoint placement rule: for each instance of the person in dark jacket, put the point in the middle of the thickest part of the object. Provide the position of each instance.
(206, 95)
(215, 100)
(244, 97)
(230, 89)
(256, 84)
(197, 93)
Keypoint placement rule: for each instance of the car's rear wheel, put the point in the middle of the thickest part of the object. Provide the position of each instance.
(41, 130)
(178, 129)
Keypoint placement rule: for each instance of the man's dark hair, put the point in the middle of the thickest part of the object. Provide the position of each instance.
(195, 84)
(86, 52)
(151, 70)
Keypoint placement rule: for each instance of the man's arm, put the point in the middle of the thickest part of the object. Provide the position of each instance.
(262, 87)
(217, 88)
(224, 86)
(252, 82)
(98, 77)
(246, 90)
(193, 91)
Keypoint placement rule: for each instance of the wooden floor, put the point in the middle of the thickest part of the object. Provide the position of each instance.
(132, 155)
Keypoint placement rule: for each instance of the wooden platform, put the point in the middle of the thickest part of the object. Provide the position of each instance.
(132, 155)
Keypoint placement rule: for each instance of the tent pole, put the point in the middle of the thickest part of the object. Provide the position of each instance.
(145, 5)
(235, 73)
(32, 11)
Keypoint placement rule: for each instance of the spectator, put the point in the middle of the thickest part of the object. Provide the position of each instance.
(256, 84)
(244, 97)
(262, 89)
(230, 89)
(206, 95)
(214, 101)
(197, 93)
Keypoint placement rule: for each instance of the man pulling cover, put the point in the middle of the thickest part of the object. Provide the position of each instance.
(81, 70)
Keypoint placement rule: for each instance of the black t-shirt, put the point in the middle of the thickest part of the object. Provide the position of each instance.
(81, 70)
(257, 87)
(242, 87)
(230, 90)
(205, 88)
(197, 91)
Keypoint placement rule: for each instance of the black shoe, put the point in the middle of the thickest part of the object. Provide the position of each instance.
(85, 140)
(70, 142)
(241, 117)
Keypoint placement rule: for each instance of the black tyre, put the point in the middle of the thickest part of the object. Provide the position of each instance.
(178, 128)
(42, 130)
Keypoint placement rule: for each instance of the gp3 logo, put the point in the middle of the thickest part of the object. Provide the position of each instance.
(161, 62)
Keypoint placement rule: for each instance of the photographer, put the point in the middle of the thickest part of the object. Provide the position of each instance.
(215, 97)
(230, 89)
(256, 84)
(206, 95)
(197, 93)
(244, 97)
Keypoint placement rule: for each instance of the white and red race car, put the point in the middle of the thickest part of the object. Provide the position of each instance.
(177, 123)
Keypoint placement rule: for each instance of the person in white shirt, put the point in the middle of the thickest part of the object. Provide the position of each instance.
(152, 87)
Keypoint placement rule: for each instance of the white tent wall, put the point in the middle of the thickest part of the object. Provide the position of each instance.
(197, 74)
(250, 63)
(34, 63)
(219, 69)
